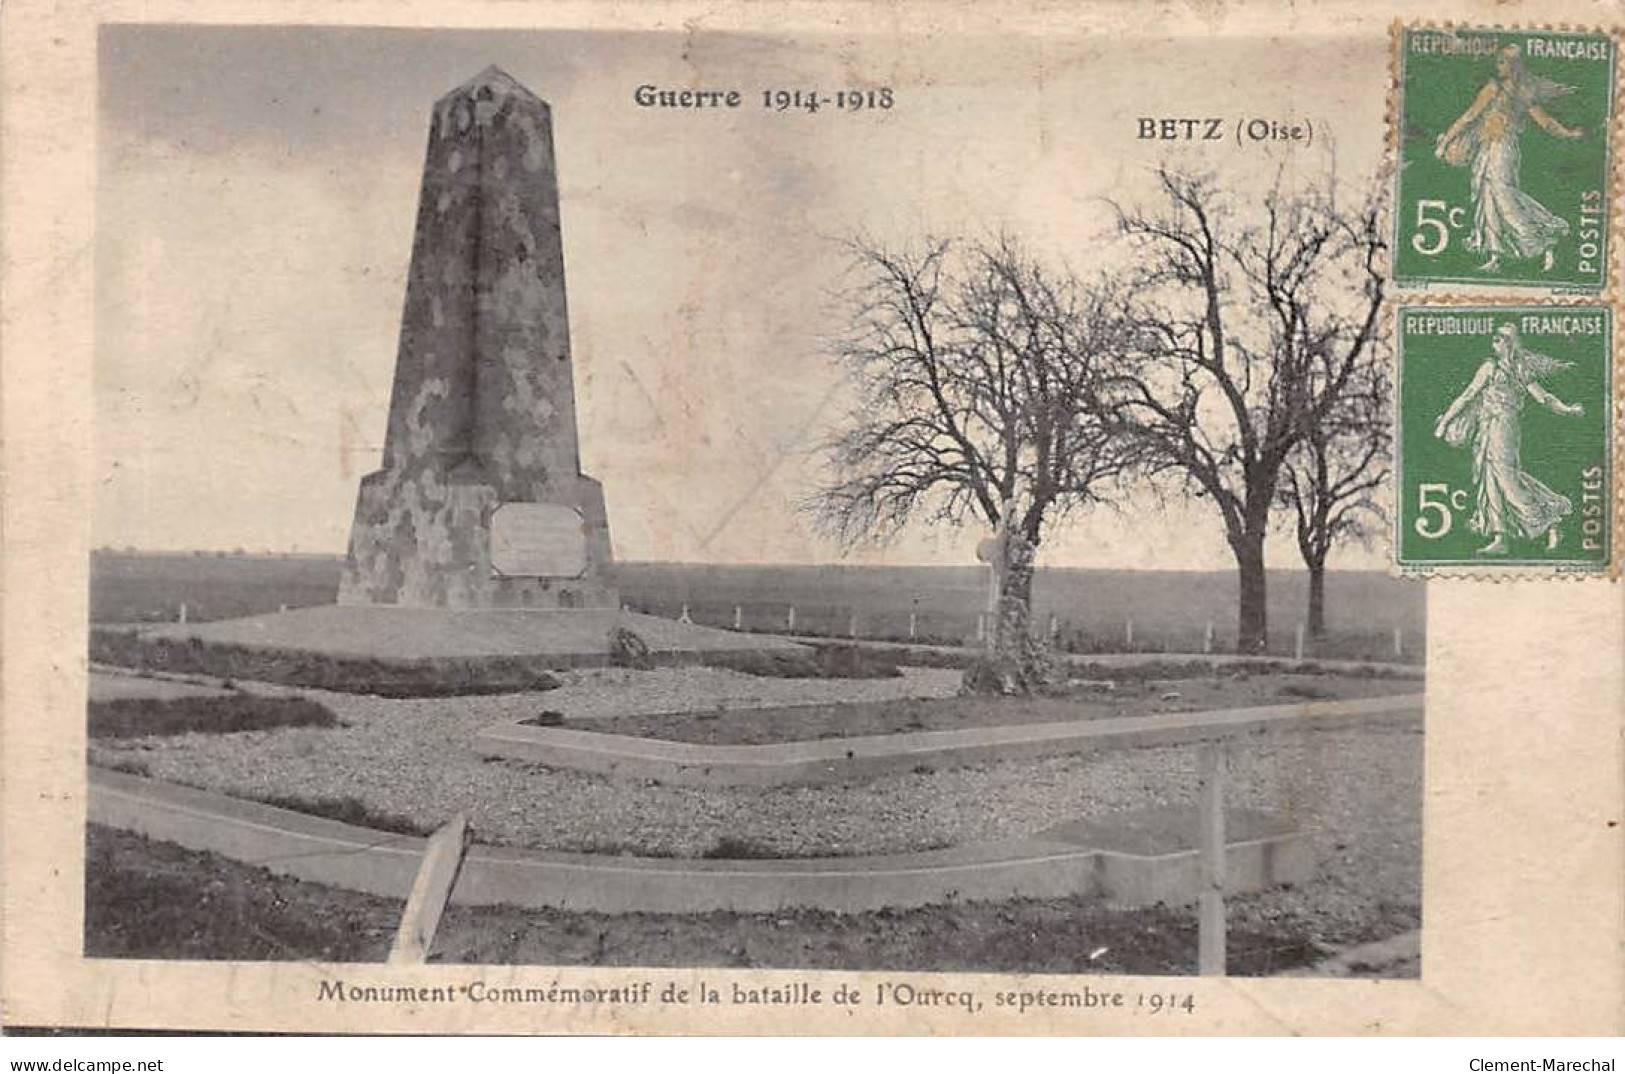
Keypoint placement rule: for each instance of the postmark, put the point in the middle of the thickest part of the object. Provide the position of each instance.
(1504, 158)
(1505, 427)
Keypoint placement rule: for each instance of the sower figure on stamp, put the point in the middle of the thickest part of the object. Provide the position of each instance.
(1509, 501)
(1486, 138)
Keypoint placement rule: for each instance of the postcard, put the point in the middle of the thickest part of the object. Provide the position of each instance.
(816, 519)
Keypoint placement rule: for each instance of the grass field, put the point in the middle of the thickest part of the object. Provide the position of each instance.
(1169, 610)
(228, 713)
(136, 587)
(806, 722)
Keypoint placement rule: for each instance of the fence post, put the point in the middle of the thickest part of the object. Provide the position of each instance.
(1210, 920)
(1399, 641)
(913, 625)
(739, 617)
(1207, 637)
(431, 890)
(1128, 635)
(1297, 642)
(790, 625)
(183, 612)
(981, 626)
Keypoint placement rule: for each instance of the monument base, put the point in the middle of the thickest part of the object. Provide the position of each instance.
(424, 540)
(559, 638)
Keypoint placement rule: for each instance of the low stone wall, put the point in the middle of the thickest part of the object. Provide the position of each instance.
(360, 859)
(833, 760)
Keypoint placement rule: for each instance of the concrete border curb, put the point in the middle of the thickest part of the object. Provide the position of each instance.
(361, 859)
(829, 760)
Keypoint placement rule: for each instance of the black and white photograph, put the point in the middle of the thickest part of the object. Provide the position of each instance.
(975, 570)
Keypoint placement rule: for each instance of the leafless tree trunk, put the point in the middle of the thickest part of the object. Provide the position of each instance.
(975, 369)
(1248, 323)
(1317, 599)
(1332, 479)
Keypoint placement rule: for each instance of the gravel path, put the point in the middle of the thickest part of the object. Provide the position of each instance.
(1357, 792)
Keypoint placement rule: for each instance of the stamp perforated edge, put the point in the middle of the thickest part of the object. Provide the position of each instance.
(1614, 440)
(1488, 292)
(1491, 296)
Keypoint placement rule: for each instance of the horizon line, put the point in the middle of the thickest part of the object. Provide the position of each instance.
(753, 565)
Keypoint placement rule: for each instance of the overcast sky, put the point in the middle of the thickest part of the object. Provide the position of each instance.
(258, 189)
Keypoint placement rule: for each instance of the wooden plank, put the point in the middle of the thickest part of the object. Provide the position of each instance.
(1210, 919)
(431, 890)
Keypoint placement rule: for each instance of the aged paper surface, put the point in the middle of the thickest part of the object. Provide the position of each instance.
(191, 372)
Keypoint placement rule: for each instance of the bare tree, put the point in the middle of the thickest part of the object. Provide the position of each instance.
(1248, 324)
(1331, 481)
(975, 369)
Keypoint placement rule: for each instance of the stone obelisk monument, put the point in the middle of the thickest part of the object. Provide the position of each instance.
(481, 502)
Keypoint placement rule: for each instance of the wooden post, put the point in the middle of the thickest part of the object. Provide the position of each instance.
(183, 611)
(442, 861)
(1399, 642)
(913, 625)
(1297, 643)
(1128, 635)
(739, 617)
(1207, 638)
(981, 626)
(790, 626)
(1054, 627)
(1210, 913)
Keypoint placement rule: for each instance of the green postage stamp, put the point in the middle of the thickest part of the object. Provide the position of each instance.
(1503, 152)
(1504, 436)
